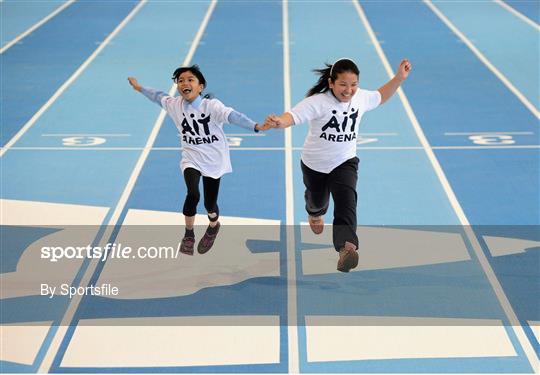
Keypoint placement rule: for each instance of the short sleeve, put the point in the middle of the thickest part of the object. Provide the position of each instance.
(220, 112)
(167, 103)
(306, 110)
(372, 99)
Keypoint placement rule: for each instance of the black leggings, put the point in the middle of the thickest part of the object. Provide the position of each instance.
(341, 183)
(211, 191)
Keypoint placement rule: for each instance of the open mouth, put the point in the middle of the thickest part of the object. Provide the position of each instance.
(186, 91)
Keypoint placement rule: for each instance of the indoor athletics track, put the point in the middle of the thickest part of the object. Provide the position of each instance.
(448, 189)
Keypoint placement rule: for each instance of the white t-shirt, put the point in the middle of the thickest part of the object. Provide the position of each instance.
(333, 127)
(204, 145)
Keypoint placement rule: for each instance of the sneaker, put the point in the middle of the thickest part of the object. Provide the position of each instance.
(187, 245)
(348, 257)
(316, 224)
(208, 239)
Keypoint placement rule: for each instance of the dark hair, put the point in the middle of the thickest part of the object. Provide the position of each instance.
(332, 71)
(196, 72)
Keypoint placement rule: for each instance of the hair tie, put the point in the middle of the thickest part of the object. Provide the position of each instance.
(335, 62)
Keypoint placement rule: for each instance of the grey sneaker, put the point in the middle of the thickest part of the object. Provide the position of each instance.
(187, 245)
(348, 257)
(208, 239)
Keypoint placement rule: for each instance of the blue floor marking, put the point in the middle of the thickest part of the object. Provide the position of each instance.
(414, 200)
(19, 16)
(161, 179)
(85, 177)
(511, 175)
(35, 69)
(510, 44)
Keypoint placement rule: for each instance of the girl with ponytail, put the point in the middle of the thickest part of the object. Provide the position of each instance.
(333, 107)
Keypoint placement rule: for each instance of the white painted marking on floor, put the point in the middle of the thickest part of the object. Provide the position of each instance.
(245, 135)
(384, 248)
(85, 135)
(78, 226)
(349, 338)
(481, 133)
(26, 213)
(501, 246)
(229, 261)
(175, 341)
(20, 342)
(294, 359)
(363, 148)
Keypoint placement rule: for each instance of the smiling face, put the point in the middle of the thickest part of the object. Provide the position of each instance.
(189, 86)
(345, 86)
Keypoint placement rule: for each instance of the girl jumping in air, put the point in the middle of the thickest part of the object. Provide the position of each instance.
(205, 151)
(333, 108)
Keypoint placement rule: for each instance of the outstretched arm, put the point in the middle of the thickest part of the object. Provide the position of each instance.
(153, 95)
(390, 87)
(241, 120)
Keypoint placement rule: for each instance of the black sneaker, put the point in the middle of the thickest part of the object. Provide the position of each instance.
(208, 239)
(187, 245)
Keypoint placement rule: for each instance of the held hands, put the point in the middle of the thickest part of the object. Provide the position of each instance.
(404, 69)
(134, 83)
(271, 121)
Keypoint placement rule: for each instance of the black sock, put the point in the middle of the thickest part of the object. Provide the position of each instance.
(189, 233)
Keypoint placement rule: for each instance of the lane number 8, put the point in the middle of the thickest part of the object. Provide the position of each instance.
(492, 139)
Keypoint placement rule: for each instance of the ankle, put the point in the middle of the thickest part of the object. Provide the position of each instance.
(189, 233)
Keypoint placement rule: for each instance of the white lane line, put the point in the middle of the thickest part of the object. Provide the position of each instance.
(490, 274)
(396, 148)
(85, 135)
(35, 26)
(379, 134)
(480, 133)
(363, 338)
(70, 80)
(72, 308)
(518, 14)
(531, 107)
(294, 366)
(485, 147)
(245, 135)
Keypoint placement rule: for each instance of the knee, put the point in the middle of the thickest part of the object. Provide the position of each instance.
(190, 204)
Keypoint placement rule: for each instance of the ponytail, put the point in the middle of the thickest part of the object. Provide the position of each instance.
(322, 84)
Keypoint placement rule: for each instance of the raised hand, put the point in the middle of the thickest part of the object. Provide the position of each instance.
(404, 69)
(134, 83)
